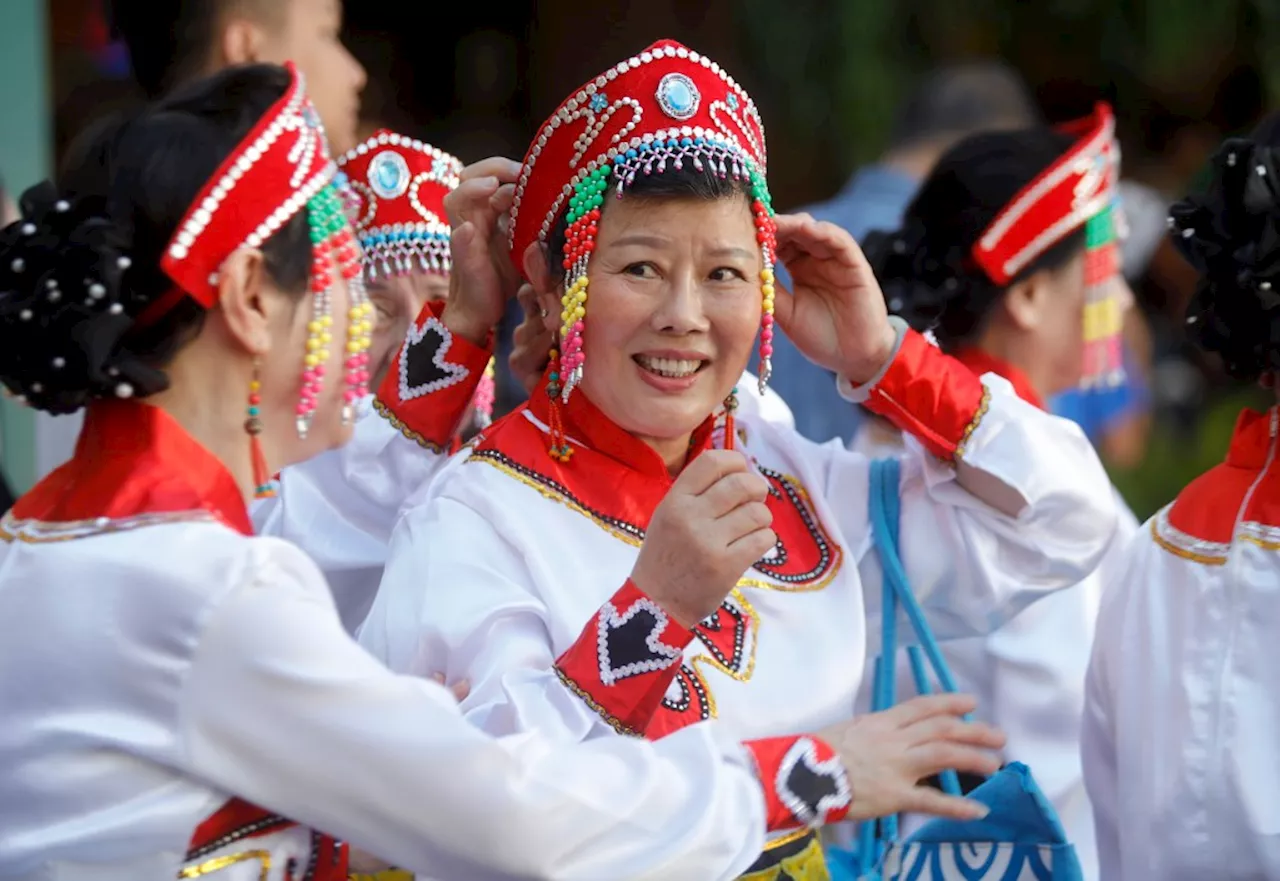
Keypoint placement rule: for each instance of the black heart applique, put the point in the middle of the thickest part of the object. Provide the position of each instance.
(423, 368)
(629, 642)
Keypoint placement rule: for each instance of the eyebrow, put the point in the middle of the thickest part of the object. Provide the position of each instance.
(658, 242)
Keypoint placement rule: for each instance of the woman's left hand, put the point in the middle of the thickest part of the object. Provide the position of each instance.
(834, 312)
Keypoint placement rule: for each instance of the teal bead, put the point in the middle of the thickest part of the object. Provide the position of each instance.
(253, 411)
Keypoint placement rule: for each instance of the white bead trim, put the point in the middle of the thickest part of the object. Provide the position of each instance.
(662, 655)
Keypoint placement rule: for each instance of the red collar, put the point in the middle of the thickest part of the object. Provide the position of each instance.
(132, 459)
(981, 363)
(1251, 441)
(584, 422)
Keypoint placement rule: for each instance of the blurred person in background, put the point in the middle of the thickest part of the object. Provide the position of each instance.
(1008, 255)
(947, 106)
(172, 43)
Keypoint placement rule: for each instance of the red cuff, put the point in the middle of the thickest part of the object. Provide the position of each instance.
(428, 390)
(930, 395)
(804, 783)
(625, 659)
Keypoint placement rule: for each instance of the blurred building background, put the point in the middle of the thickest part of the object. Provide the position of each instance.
(475, 78)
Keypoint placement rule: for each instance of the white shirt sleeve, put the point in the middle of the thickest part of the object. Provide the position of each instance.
(341, 506)
(971, 566)
(281, 708)
(491, 630)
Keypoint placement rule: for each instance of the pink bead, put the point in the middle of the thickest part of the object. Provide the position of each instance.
(578, 327)
(319, 371)
(349, 396)
(301, 409)
(765, 350)
(767, 319)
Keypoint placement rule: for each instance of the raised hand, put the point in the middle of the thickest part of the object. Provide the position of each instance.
(711, 527)
(835, 311)
(483, 278)
(887, 754)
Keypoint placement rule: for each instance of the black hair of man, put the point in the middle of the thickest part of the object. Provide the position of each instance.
(959, 100)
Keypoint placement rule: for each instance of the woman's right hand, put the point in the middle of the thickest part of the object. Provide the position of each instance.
(711, 527)
(886, 755)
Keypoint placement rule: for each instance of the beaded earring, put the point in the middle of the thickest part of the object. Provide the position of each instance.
(1103, 315)
(262, 484)
(730, 429)
(559, 448)
(767, 238)
(332, 242)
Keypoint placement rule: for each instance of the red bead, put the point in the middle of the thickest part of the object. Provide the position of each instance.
(254, 400)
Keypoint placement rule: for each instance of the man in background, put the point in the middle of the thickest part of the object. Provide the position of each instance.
(950, 104)
(172, 42)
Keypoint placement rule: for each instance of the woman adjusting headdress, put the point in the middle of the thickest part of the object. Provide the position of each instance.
(434, 376)
(179, 695)
(627, 554)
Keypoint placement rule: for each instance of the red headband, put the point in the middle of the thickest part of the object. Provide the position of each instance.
(1079, 185)
(265, 181)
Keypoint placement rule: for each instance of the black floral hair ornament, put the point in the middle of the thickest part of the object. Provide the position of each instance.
(1231, 234)
(65, 307)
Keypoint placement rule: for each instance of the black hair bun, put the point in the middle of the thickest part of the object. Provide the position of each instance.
(1231, 234)
(920, 281)
(64, 307)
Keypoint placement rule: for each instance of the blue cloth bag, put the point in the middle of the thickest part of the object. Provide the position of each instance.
(1021, 839)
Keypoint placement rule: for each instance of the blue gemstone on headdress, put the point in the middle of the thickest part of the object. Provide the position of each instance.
(732, 101)
(389, 175)
(678, 96)
(599, 102)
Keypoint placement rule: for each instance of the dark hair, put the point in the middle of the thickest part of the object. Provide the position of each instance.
(172, 41)
(964, 99)
(1231, 234)
(673, 183)
(84, 261)
(926, 269)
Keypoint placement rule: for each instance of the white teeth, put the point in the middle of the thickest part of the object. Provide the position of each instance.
(673, 367)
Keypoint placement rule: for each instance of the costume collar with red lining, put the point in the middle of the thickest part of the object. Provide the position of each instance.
(982, 363)
(1251, 441)
(134, 459)
(583, 421)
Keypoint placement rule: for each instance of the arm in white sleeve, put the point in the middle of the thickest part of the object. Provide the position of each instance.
(444, 608)
(341, 506)
(283, 709)
(1001, 502)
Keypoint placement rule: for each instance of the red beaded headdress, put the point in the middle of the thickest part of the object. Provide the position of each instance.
(400, 184)
(280, 168)
(1079, 190)
(660, 109)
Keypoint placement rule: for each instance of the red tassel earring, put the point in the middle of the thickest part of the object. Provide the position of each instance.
(263, 488)
(559, 448)
(730, 430)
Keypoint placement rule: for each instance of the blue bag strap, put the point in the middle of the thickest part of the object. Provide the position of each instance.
(885, 512)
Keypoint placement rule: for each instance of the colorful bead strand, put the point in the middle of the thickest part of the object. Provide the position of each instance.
(767, 238)
(582, 218)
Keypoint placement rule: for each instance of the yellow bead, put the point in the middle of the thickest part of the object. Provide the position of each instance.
(326, 338)
(312, 361)
(766, 276)
(313, 345)
(313, 327)
(326, 320)
(767, 289)
(353, 348)
(768, 304)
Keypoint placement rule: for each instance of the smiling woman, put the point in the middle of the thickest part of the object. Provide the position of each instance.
(626, 553)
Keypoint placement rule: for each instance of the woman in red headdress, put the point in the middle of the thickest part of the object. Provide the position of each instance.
(627, 553)
(173, 687)
(1008, 255)
(1182, 709)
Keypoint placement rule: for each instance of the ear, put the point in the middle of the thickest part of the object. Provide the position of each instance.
(241, 42)
(244, 301)
(1024, 302)
(538, 271)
